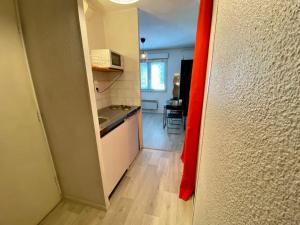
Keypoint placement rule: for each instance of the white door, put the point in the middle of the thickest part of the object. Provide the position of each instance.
(28, 190)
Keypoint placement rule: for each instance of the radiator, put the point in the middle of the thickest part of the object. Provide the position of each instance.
(150, 104)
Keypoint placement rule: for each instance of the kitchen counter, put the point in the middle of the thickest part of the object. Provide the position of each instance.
(113, 118)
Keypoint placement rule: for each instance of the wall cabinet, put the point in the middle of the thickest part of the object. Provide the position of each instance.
(119, 149)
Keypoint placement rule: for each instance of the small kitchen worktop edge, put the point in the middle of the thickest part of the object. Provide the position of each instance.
(114, 122)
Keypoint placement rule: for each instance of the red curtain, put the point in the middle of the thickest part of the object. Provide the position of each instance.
(191, 142)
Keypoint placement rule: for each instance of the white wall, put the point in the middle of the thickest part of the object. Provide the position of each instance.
(96, 40)
(250, 145)
(117, 30)
(122, 35)
(174, 65)
(28, 189)
(62, 78)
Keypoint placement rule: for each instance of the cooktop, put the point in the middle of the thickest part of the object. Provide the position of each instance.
(121, 107)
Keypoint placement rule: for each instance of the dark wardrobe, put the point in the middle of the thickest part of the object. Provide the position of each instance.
(185, 84)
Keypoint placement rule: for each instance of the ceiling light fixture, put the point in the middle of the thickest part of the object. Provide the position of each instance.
(124, 1)
(144, 55)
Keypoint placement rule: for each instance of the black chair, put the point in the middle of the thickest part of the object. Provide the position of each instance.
(173, 117)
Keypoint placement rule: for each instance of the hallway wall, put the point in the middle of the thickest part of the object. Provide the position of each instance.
(28, 187)
(63, 82)
(250, 145)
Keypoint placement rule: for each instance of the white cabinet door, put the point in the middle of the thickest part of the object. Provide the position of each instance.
(28, 190)
(119, 149)
(132, 137)
(114, 154)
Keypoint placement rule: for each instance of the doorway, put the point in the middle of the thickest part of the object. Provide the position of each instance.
(166, 50)
(165, 84)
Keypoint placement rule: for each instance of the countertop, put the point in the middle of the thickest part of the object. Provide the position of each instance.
(114, 117)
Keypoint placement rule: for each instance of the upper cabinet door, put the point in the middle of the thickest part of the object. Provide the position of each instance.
(28, 190)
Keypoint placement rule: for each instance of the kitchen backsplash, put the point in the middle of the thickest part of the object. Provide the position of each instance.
(104, 29)
(125, 91)
(103, 99)
(101, 81)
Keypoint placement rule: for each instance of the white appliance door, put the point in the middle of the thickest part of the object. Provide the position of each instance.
(28, 190)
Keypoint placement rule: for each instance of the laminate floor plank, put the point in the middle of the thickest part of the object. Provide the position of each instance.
(150, 220)
(146, 195)
(157, 137)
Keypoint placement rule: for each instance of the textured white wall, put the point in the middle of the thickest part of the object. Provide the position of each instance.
(174, 66)
(249, 170)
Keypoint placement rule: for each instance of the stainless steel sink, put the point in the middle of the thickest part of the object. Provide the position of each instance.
(102, 120)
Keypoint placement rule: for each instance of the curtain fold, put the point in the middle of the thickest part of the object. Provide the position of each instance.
(191, 143)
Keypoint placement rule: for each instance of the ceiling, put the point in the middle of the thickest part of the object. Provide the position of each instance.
(164, 23)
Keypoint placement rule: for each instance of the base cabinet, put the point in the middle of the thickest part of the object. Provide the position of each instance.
(119, 149)
(132, 125)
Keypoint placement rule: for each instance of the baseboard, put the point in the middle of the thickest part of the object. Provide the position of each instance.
(89, 203)
(53, 208)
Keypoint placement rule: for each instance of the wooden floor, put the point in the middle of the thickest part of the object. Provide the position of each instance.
(156, 137)
(147, 195)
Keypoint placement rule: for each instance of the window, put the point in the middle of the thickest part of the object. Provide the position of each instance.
(153, 75)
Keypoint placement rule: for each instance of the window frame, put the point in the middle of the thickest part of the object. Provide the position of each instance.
(149, 61)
